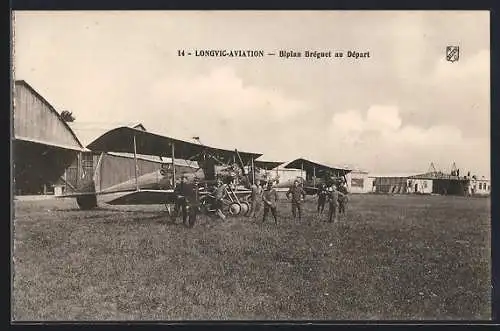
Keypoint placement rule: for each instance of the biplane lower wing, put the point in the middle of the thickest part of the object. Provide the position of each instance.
(156, 197)
(84, 193)
(145, 197)
(130, 197)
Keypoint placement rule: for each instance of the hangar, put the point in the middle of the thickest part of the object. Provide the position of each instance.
(43, 144)
(438, 183)
(431, 182)
(390, 183)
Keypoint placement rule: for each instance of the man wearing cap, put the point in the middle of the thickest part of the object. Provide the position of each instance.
(321, 198)
(219, 196)
(180, 200)
(298, 195)
(343, 199)
(333, 202)
(270, 198)
(256, 195)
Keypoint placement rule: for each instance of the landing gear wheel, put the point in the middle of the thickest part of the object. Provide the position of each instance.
(234, 209)
(245, 208)
(86, 202)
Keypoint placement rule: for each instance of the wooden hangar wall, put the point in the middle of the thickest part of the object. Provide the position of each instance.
(43, 144)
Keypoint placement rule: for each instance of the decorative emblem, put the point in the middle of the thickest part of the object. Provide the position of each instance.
(452, 53)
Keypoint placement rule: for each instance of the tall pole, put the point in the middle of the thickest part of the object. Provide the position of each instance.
(173, 164)
(253, 173)
(302, 170)
(136, 167)
(314, 176)
(78, 157)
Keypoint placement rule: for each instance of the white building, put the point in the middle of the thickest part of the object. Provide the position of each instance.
(419, 185)
(286, 177)
(358, 181)
(480, 186)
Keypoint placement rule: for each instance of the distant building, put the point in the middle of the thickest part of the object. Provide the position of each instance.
(419, 185)
(435, 182)
(479, 186)
(359, 181)
(390, 183)
(286, 175)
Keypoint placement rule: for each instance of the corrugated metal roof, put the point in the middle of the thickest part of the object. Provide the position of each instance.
(393, 175)
(439, 175)
(268, 165)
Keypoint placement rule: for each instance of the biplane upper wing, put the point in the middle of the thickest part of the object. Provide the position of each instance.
(122, 140)
(267, 165)
(318, 168)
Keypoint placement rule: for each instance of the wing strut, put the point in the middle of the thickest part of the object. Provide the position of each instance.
(97, 173)
(253, 173)
(173, 165)
(314, 176)
(242, 166)
(136, 166)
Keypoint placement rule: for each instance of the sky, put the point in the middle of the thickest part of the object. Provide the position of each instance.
(397, 111)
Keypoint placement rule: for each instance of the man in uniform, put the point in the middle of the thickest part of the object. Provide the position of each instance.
(321, 198)
(255, 197)
(343, 199)
(219, 193)
(270, 198)
(298, 195)
(333, 201)
(180, 200)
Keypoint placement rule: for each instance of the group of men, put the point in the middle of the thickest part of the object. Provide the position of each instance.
(336, 197)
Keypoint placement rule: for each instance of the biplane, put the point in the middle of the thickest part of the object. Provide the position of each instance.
(157, 186)
(316, 174)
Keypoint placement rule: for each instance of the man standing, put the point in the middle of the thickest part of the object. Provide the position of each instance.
(219, 194)
(333, 201)
(180, 200)
(270, 198)
(298, 195)
(255, 198)
(321, 198)
(343, 199)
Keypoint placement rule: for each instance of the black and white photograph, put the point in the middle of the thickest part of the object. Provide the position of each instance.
(251, 166)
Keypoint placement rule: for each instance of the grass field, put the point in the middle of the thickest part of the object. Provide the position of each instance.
(391, 257)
